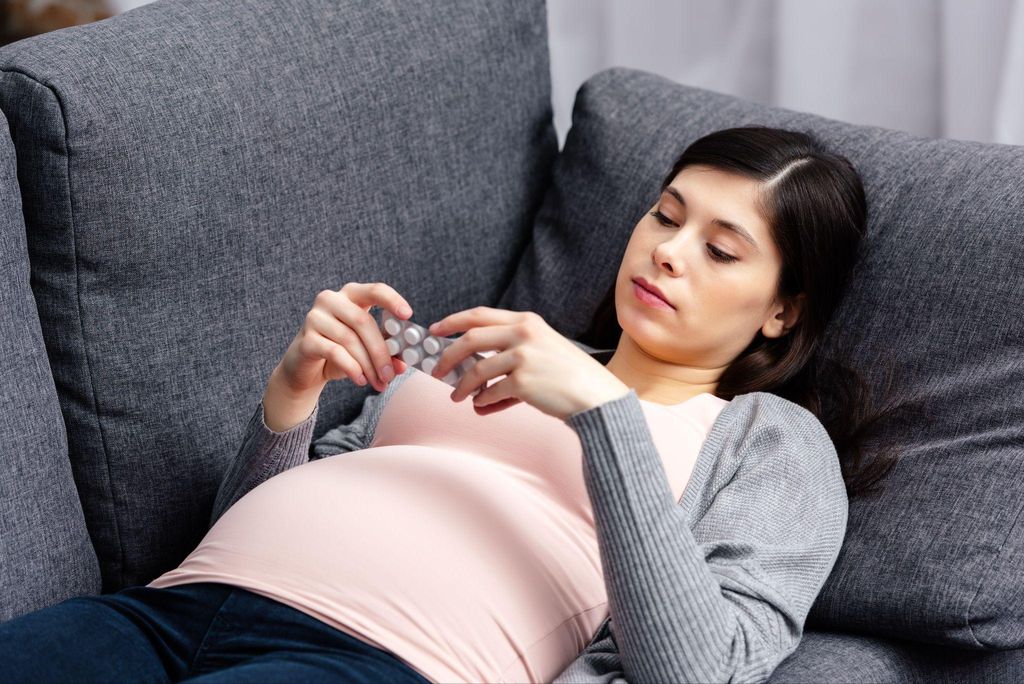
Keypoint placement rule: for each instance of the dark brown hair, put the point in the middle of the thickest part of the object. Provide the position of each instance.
(815, 206)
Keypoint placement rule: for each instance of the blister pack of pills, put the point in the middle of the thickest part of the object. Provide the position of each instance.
(414, 344)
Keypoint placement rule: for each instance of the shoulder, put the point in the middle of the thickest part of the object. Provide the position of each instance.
(771, 430)
(764, 412)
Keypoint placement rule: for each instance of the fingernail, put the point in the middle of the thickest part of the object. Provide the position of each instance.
(361, 380)
(387, 372)
(405, 310)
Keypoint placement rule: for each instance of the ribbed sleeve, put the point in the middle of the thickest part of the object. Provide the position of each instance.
(771, 517)
(262, 454)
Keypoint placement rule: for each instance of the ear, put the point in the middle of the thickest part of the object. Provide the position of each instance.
(783, 320)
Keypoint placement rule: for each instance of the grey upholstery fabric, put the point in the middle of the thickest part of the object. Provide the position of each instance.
(46, 555)
(938, 290)
(835, 657)
(196, 171)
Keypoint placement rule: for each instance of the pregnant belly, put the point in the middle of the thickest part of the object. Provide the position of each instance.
(415, 544)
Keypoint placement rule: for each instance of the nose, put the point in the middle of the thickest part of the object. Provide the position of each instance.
(666, 256)
(671, 251)
(664, 263)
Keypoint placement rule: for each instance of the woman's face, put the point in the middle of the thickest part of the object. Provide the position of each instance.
(720, 284)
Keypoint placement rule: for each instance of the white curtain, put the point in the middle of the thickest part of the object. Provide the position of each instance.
(125, 5)
(939, 68)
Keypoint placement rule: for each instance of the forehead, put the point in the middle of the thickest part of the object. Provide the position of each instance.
(719, 192)
(723, 198)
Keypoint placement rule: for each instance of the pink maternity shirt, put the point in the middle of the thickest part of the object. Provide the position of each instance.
(463, 544)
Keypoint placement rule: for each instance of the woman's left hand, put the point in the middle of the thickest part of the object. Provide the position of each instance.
(543, 368)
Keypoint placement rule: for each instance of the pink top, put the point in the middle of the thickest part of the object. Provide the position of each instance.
(463, 544)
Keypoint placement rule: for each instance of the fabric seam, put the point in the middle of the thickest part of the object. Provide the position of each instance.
(81, 322)
(522, 656)
(988, 572)
(206, 636)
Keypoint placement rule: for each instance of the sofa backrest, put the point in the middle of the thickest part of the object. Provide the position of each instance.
(46, 555)
(938, 291)
(194, 172)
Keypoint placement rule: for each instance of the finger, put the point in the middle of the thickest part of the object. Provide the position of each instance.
(494, 408)
(338, 362)
(373, 339)
(495, 392)
(337, 323)
(366, 295)
(482, 371)
(492, 337)
(469, 318)
(379, 294)
(497, 397)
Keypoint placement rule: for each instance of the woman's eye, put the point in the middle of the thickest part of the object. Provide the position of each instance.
(716, 254)
(662, 219)
(719, 255)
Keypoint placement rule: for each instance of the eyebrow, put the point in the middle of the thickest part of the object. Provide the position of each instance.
(738, 229)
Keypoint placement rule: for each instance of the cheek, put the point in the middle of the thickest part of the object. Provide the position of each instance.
(743, 302)
(634, 251)
(731, 291)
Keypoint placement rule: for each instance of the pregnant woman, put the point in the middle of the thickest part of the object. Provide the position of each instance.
(664, 509)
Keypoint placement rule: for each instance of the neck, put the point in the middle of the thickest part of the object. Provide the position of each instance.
(657, 380)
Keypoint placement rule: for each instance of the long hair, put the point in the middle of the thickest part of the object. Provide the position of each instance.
(815, 206)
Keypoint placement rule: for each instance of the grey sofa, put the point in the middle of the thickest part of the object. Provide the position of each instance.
(179, 182)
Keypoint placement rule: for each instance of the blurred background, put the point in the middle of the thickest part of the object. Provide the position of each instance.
(939, 68)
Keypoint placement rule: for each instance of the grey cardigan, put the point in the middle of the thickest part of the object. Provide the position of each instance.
(714, 588)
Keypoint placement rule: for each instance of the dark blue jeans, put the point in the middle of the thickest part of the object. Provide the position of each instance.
(203, 632)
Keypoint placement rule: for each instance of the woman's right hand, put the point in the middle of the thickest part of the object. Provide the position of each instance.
(340, 339)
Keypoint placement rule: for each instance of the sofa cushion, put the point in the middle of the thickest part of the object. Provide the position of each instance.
(196, 171)
(46, 555)
(937, 290)
(850, 658)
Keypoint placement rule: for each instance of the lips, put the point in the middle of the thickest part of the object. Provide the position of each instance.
(653, 290)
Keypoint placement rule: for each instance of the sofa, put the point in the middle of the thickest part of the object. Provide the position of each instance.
(179, 181)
